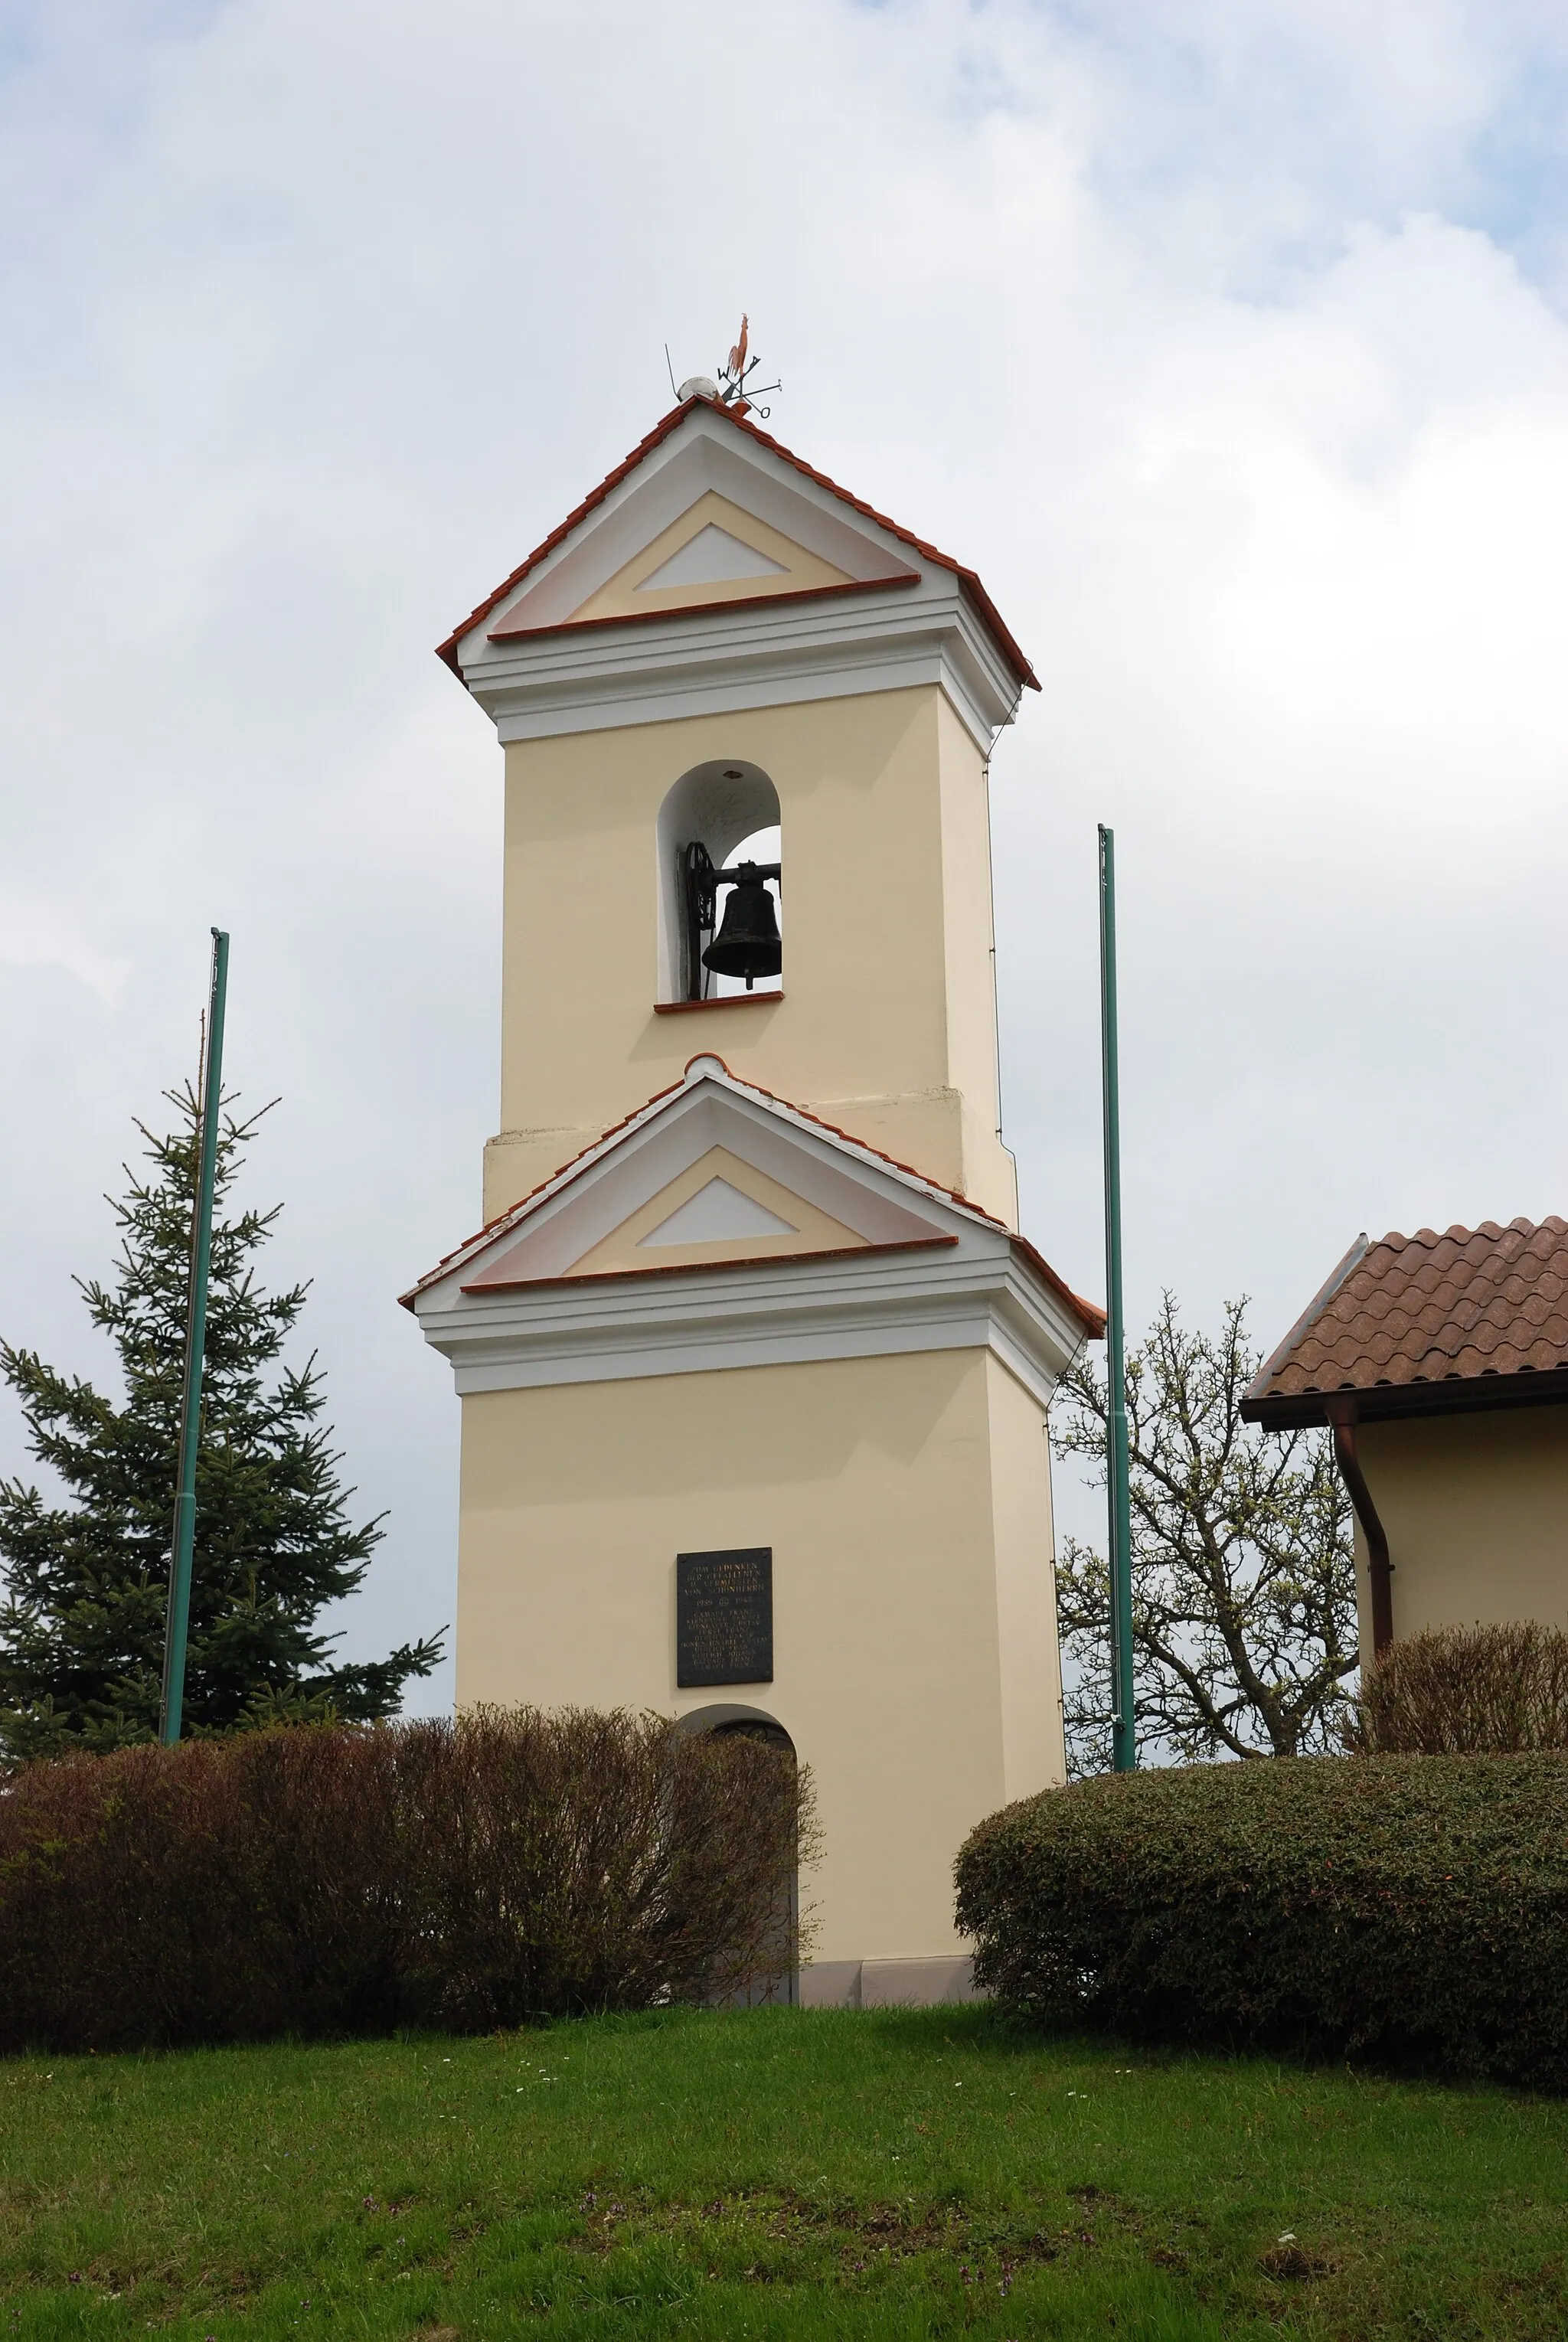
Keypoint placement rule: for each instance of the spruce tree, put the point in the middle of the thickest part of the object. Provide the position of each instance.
(82, 1611)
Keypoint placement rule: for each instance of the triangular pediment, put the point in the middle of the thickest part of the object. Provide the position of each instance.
(719, 1225)
(710, 517)
(713, 569)
(711, 1175)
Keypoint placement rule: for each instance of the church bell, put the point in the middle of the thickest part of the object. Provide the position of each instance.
(747, 943)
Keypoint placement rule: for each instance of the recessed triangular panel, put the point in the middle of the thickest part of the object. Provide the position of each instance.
(712, 557)
(719, 1207)
(715, 551)
(715, 1214)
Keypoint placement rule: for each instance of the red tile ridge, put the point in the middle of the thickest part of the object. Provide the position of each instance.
(849, 1139)
(493, 1227)
(1089, 1314)
(1021, 669)
(1336, 1276)
(596, 496)
(1092, 1318)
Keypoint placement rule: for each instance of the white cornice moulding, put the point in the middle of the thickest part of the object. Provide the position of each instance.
(542, 710)
(981, 1296)
(747, 654)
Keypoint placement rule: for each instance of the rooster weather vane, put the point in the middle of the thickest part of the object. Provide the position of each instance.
(734, 387)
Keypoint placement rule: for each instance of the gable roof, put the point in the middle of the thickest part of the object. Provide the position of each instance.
(1428, 1325)
(711, 1069)
(1022, 670)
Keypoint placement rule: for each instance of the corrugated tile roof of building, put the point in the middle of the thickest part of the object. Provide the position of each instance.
(1418, 1317)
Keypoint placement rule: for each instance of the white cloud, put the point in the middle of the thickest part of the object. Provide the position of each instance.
(1224, 338)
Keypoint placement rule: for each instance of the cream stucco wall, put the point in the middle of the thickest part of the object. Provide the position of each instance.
(1033, 1745)
(906, 1500)
(1476, 1507)
(887, 1022)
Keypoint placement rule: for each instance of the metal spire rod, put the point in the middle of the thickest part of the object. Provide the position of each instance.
(1123, 1732)
(185, 1539)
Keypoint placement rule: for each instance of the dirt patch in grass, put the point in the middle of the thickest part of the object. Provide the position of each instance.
(1292, 2261)
(785, 2231)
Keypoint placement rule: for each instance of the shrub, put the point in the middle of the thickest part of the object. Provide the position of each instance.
(509, 1866)
(1466, 1691)
(1411, 1907)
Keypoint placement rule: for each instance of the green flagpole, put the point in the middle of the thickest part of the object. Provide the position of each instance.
(1124, 1734)
(195, 1350)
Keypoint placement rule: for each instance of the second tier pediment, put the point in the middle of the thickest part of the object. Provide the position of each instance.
(722, 1225)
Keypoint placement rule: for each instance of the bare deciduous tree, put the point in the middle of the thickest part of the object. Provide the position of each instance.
(1243, 1584)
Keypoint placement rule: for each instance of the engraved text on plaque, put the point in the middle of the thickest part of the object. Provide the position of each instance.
(725, 1617)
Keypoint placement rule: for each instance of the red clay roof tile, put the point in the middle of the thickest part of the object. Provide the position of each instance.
(1409, 1311)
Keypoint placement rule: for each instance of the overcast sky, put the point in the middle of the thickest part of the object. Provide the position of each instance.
(1227, 340)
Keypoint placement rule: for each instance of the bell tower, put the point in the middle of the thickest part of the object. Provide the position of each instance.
(753, 1358)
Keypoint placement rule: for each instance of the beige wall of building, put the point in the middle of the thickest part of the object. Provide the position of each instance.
(906, 1500)
(1475, 1509)
(885, 833)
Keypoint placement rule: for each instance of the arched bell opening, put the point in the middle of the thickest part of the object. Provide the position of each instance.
(720, 862)
(773, 1987)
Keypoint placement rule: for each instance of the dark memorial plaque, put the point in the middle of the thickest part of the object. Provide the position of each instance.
(725, 1617)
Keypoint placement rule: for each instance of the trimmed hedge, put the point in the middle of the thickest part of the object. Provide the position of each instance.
(1413, 1909)
(1465, 1691)
(513, 1865)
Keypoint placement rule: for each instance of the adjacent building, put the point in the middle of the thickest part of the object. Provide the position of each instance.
(1441, 1364)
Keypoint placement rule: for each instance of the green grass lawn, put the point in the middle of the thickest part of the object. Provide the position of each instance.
(770, 2173)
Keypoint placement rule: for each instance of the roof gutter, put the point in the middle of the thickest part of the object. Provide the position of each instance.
(1429, 1397)
(1341, 1414)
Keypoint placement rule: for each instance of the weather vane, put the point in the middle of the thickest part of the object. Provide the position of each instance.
(734, 387)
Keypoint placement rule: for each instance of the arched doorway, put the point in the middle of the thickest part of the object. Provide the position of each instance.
(775, 1988)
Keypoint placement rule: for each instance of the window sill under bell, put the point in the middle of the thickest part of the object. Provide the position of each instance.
(725, 1000)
